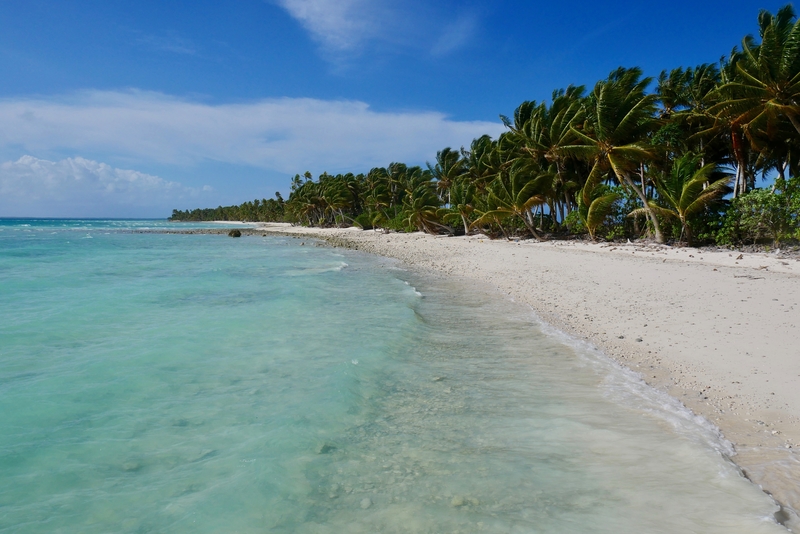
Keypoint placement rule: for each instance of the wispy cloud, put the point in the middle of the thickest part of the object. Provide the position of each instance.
(80, 187)
(337, 24)
(286, 135)
(168, 43)
(455, 35)
(345, 27)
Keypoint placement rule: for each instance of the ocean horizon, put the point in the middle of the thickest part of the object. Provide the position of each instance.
(155, 382)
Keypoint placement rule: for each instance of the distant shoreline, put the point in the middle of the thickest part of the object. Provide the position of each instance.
(716, 330)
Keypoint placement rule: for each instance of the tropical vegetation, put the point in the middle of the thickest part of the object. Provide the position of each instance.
(676, 158)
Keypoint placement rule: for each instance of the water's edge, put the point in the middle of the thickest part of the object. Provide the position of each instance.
(402, 398)
(785, 516)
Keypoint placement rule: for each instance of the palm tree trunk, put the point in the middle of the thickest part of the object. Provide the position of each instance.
(530, 227)
(740, 185)
(740, 188)
(502, 229)
(641, 176)
(687, 230)
(650, 213)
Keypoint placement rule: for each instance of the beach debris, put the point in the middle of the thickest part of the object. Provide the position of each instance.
(334, 492)
(235, 233)
(638, 340)
(620, 337)
(131, 466)
(326, 448)
(740, 257)
(366, 502)
(204, 455)
(458, 501)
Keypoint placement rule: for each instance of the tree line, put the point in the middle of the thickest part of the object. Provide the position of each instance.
(679, 163)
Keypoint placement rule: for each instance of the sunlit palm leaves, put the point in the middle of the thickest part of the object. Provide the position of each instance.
(541, 133)
(688, 190)
(461, 205)
(595, 201)
(449, 167)
(619, 117)
(513, 194)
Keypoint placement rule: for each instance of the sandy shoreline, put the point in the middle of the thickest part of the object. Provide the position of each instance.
(716, 330)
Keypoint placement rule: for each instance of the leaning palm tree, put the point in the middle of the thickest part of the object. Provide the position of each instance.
(481, 162)
(595, 201)
(760, 89)
(448, 168)
(421, 204)
(686, 96)
(766, 85)
(338, 197)
(461, 205)
(514, 193)
(620, 115)
(541, 132)
(689, 189)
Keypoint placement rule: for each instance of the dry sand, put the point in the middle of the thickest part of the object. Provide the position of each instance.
(717, 330)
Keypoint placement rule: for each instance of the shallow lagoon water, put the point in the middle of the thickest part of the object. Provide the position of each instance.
(196, 383)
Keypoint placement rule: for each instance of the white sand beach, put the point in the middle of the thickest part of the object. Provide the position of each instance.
(716, 330)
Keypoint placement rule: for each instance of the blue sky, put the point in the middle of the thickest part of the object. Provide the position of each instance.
(112, 108)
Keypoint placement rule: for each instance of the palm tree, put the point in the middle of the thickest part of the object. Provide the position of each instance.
(420, 202)
(481, 162)
(761, 91)
(448, 168)
(619, 117)
(689, 189)
(766, 87)
(542, 132)
(461, 205)
(595, 201)
(396, 177)
(306, 204)
(338, 197)
(685, 96)
(513, 194)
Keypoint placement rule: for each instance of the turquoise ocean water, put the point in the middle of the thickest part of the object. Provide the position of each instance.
(197, 383)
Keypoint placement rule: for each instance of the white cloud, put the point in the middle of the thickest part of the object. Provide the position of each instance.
(338, 24)
(344, 27)
(82, 187)
(287, 135)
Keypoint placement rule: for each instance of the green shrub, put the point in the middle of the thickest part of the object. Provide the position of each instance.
(399, 224)
(763, 214)
(364, 221)
(574, 223)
